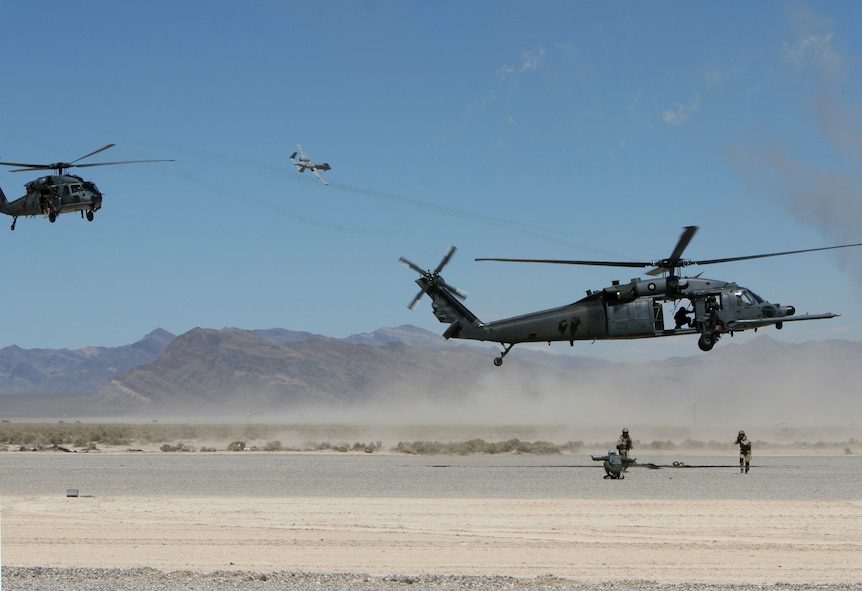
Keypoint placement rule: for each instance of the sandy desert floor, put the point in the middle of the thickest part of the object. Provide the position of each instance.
(713, 541)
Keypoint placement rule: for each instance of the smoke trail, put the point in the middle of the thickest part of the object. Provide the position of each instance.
(540, 232)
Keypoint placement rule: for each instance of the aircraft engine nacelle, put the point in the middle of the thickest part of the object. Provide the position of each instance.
(620, 293)
(637, 288)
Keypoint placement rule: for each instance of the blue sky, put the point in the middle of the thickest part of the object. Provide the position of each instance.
(509, 129)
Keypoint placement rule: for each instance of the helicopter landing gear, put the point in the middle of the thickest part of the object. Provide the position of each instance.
(707, 341)
(52, 217)
(14, 221)
(499, 360)
(89, 215)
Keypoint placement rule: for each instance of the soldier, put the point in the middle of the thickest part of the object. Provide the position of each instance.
(681, 318)
(614, 464)
(624, 443)
(744, 451)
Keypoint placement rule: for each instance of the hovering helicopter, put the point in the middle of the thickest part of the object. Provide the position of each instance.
(632, 310)
(52, 195)
(304, 163)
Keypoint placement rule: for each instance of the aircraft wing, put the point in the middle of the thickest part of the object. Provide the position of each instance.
(320, 176)
(302, 151)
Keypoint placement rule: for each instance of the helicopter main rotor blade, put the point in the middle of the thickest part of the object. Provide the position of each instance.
(687, 235)
(90, 154)
(61, 166)
(669, 265)
(26, 166)
(630, 264)
(113, 163)
(771, 254)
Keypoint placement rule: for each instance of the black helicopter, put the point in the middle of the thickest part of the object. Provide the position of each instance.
(59, 193)
(622, 311)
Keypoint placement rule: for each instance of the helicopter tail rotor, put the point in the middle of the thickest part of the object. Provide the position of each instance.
(433, 277)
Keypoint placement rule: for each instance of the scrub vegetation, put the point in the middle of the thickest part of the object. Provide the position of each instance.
(166, 437)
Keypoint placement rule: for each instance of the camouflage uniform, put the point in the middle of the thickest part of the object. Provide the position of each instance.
(624, 443)
(614, 464)
(744, 451)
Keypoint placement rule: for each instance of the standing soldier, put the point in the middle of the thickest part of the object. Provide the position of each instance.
(744, 451)
(624, 443)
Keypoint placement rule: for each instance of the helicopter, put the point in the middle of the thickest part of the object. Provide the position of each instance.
(632, 310)
(59, 193)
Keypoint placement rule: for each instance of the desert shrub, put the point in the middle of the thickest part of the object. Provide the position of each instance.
(541, 448)
(236, 446)
(272, 446)
(476, 446)
(573, 445)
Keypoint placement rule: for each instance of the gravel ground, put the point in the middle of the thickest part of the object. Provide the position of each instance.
(148, 579)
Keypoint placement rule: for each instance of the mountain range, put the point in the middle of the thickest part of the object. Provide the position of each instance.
(409, 374)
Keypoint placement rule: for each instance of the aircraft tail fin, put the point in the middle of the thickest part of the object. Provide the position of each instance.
(445, 304)
(445, 299)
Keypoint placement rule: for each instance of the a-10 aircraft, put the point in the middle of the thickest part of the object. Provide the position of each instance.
(631, 310)
(304, 163)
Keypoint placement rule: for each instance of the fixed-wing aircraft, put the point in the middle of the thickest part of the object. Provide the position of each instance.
(304, 163)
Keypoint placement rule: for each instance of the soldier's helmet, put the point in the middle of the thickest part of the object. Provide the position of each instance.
(741, 432)
(626, 431)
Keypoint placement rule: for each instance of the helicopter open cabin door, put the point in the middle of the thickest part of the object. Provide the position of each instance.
(633, 318)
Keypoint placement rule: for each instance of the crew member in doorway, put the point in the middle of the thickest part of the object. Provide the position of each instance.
(681, 318)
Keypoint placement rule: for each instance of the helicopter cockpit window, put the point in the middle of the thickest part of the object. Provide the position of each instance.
(75, 188)
(744, 298)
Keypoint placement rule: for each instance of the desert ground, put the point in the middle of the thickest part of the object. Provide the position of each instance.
(419, 517)
(329, 520)
(710, 541)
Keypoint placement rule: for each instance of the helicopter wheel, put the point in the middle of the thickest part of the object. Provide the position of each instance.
(706, 341)
(52, 217)
(498, 361)
(89, 215)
